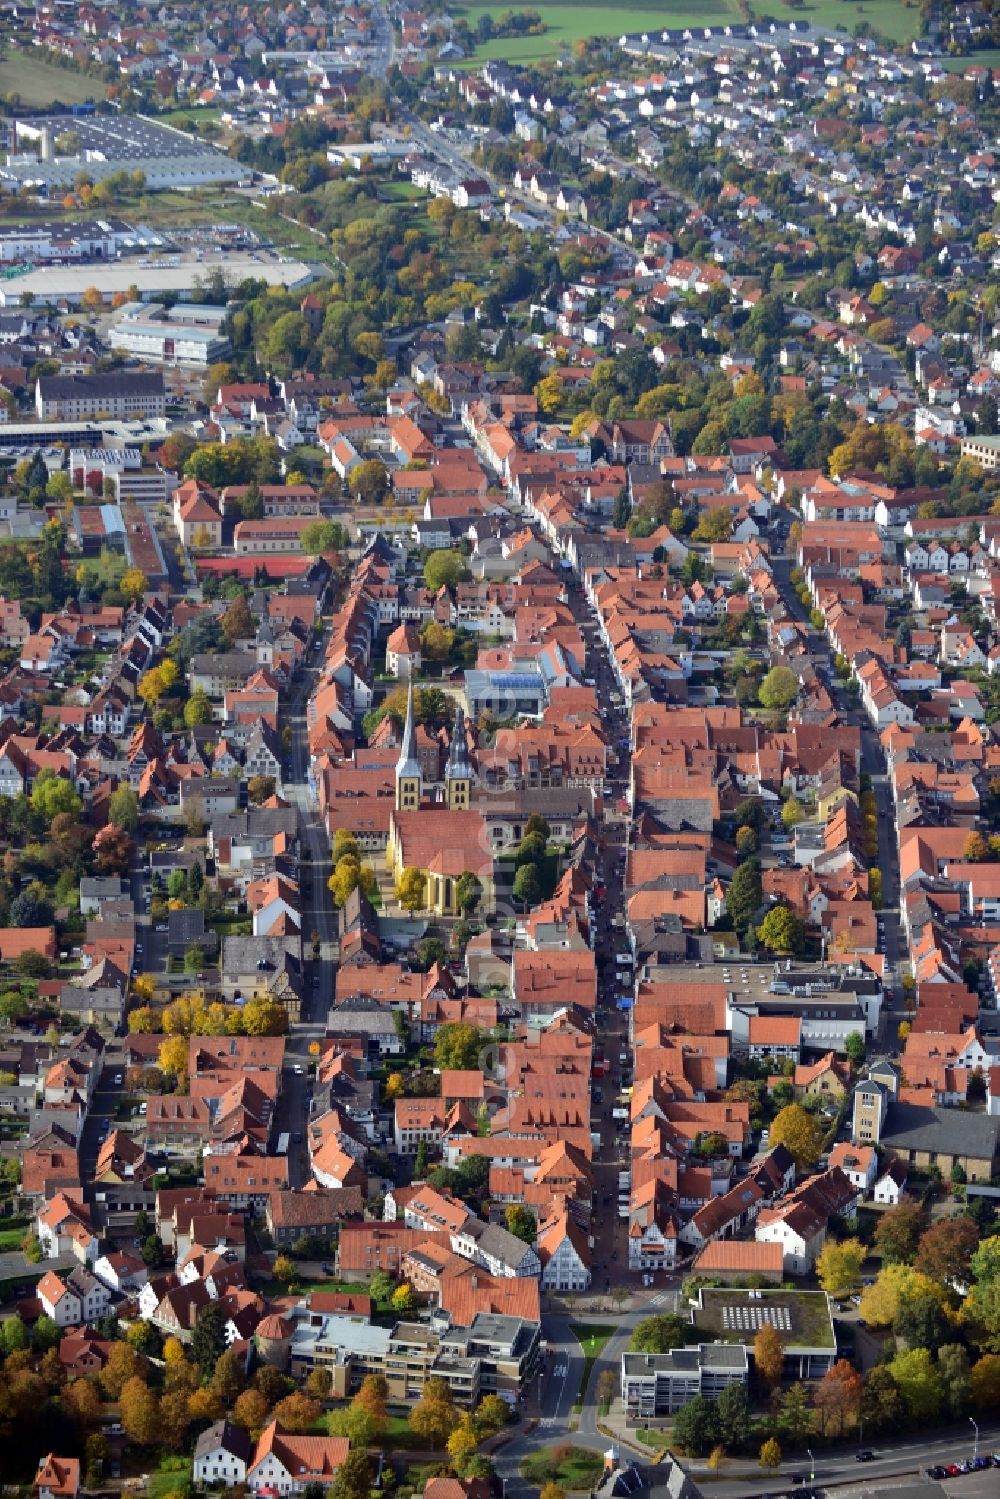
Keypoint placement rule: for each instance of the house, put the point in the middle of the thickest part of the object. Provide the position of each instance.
(890, 1185)
(284, 1463)
(221, 1455)
(58, 1477)
(565, 1254)
(859, 1164)
(73, 1299)
(197, 518)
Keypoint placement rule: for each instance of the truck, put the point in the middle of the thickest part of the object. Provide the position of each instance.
(282, 1145)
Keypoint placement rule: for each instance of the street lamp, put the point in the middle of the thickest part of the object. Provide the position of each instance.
(812, 1466)
(975, 1445)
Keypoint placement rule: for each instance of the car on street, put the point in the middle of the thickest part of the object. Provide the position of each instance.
(867, 1456)
(119, 1079)
(298, 1069)
(952, 1470)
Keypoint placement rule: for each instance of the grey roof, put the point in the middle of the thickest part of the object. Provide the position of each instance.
(361, 1014)
(97, 387)
(224, 663)
(908, 1126)
(499, 1243)
(102, 887)
(246, 954)
(225, 1434)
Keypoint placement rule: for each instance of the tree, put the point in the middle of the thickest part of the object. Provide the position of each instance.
(770, 1454)
(457, 1046)
(982, 1304)
(919, 1384)
(733, 1411)
(882, 1407)
(174, 1418)
(208, 1340)
(443, 569)
(794, 1415)
(411, 889)
(45, 1334)
(284, 1269)
(657, 1334)
(53, 794)
(854, 1048)
(421, 1160)
(838, 1266)
(976, 850)
(779, 688)
(744, 896)
(172, 1056)
(768, 1354)
(521, 1222)
(381, 1287)
(782, 930)
(228, 1381)
(792, 813)
(838, 1396)
(123, 809)
(140, 1412)
(296, 1412)
(82, 1403)
(198, 709)
(123, 1364)
(132, 584)
(402, 1299)
(946, 1248)
(434, 1416)
(237, 622)
(462, 1444)
(205, 1405)
(354, 1477)
(899, 1232)
(468, 892)
(800, 1133)
(369, 482)
(318, 1383)
(954, 1372)
(527, 887)
(696, 1427)
(984, 1383)
(251, 1412)
(322, 536)
(260, 789)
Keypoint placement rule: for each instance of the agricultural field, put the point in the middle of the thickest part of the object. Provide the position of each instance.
(566, 23)
(37, 83)
(987, 59)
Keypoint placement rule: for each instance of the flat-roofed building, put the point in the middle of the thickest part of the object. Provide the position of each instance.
(657, 1384)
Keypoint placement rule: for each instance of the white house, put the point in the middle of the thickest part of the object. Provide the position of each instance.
(221, 1455)
(859, 1163)
(74, 1299)
(565, 1255)
(285, 1464)
(798, 1230)
(891, 1184)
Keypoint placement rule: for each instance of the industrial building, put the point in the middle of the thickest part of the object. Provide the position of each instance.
(189, 334)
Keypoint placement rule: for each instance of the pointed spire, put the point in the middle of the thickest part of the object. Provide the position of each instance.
(408, 764)
(458, 767)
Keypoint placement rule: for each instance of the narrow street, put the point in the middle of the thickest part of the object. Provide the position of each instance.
(873, 764)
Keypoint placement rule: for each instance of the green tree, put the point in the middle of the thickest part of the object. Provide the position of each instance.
(527, 887)
(443, 569)
(208, 1340)
(52, 794)
(197, 709)
(953, 1369)
(657, 1334)
(838, 1266)
(521, 1222)
(779, 688)
(744, 896)
(854, 1048)
(354, 1477)
(697, 1427)
(468, 892)
(919, 1384)
(782, 930)
(123, 809)
(792, 813)
(457, 1046)
(882, 1405)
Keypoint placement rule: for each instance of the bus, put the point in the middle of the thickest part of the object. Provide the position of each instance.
(282, 1145)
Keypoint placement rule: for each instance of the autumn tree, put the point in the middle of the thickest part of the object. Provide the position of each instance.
(411, 889)
(770, 1454)
(140, 1412)
(838, 1397)
(984, 1383)
(800, 1133)
(899, 1232)
(838, 1266)
(296, 1412)
(228, 1380)
(434, 1416)
(122, 1365)
(945, 1250)
(768, 1354)
(251, 1412)
(237, 622)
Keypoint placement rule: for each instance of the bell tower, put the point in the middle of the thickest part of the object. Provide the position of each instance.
(458, 772)
(409, 776)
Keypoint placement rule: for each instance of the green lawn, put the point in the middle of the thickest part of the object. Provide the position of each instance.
(988, 59)
(173, 1476)
(591, 1337)
(569, 21)
(399, 1438)
(13, 1231)
(38, 83)
(578, 1470)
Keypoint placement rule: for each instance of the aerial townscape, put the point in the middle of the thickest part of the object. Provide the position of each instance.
(499, 799)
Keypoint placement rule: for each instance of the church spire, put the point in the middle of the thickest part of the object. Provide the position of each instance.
(409, 776)
(458, 772)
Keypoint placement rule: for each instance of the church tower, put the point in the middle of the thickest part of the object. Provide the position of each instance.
(409, 777)
(458, 772)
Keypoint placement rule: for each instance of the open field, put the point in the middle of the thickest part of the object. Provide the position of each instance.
(568, 22)
(38, 83)
(988, 59)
